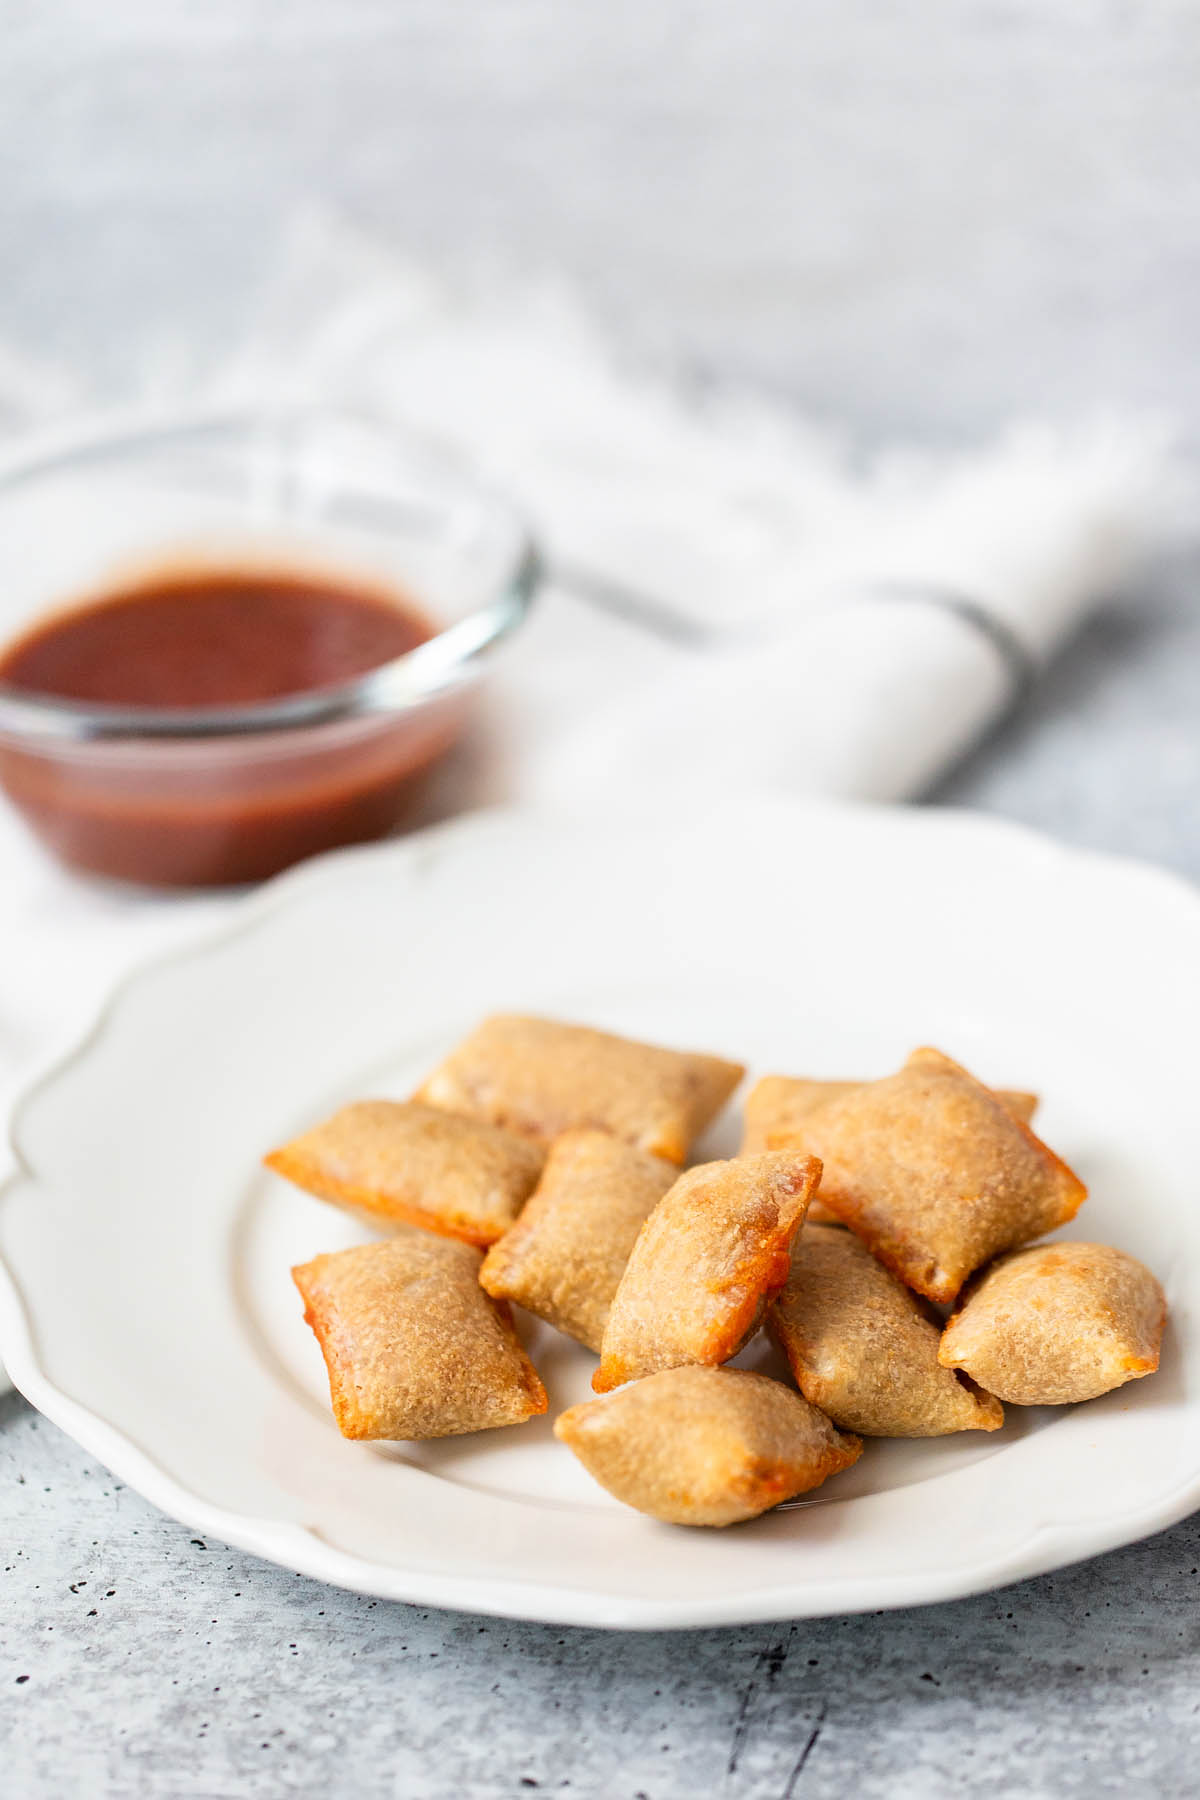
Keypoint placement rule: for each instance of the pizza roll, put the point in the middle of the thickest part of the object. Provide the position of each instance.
(864, 1348)
(413, 1346)
(396, 1162)
(712, 1253)
(935, 1174)
(567, 1252)
(705, 1446)
(1019, 1102)
(779, 1106)
(542, 1078)
(1058, 1323)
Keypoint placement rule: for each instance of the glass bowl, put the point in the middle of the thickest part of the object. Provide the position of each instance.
(200, 796)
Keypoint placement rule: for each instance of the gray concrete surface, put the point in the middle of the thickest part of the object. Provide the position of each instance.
(136, 1659)
(912, 215)
(917, 218)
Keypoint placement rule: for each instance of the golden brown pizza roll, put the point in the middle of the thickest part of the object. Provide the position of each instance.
(864, 1348)
(1019, 1102)
(396, 1162)
(935, 1174)
(779, 1106)
(413, 1345)
(567, 1252)
(542, 1078)
(712, 1253)
(700, 1446)
(1058, 1323)
(777, 1109)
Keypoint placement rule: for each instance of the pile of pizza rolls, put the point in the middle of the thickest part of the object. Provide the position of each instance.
(542, 1164)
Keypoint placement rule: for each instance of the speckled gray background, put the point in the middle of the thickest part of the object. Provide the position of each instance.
(915, 215)
(916, 218)
(139, 1660)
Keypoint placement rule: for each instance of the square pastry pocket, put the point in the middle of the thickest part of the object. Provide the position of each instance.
(697, 1446)
(715, 1249)
(935, 1173)
(1058, 1323)
(564, 1257)
(413, 1346)
(395, 1162)
(780, 1107)
(542, 1078)
(864, 1348)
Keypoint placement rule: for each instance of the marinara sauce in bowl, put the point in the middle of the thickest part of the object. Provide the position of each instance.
(229, 644)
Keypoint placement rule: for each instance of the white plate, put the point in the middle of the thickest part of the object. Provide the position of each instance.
(147, 1306)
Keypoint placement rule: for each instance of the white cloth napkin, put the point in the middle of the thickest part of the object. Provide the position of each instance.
(800, 617)
(735, 597)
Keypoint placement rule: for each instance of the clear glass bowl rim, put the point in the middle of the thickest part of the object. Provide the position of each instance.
(435, 667)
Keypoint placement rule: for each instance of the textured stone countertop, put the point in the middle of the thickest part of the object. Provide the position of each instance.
(913, 219)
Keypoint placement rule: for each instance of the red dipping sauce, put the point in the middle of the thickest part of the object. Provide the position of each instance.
(198, 811)
(220, 639)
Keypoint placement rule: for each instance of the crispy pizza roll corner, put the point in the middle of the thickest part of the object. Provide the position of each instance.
(864, 1348)
(704, 1446)
(710, 1256)
(1019, 1102)
(541, 1077)
(413, 1346)
(1057, 1324)
(397, 1162)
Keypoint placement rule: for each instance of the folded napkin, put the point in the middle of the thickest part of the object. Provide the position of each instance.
(734, 596)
